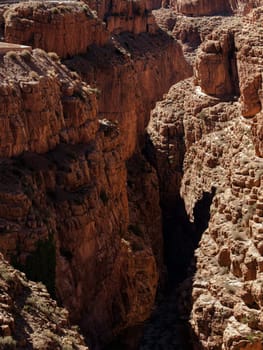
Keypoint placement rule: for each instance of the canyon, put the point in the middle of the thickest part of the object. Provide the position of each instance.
(131, 178)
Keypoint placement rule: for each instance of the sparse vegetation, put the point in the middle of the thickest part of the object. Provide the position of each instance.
(11, 55)
(33, 75)
(26, 55)
(4, 273)
(40, 266)
(202, 115)
(251, 338)
(7, 343)
(36, 303)
(104, 197)
(230, 288)
(54, 56)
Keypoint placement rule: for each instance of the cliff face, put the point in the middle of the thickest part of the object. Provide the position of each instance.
(131, 80)
(67, 29)
(124, 67)
(211, 8)
(79, 201)
(209, 145)
(74, 214)
(202, 8)
(64, 205)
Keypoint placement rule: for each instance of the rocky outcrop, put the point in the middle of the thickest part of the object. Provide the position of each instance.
(66, 28)
(218, 157)
(30, 318)
(55, 103)
(82, 224)
(216, 70)
(211, 8)
(130, 16)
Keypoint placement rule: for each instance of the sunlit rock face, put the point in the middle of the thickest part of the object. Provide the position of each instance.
(207, 138)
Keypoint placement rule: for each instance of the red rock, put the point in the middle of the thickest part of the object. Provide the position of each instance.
(202, 7)
(43, 26)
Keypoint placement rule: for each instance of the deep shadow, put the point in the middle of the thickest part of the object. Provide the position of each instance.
(181, 237)
(168, 327)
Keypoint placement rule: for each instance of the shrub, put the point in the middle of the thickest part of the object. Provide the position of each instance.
(26, 55)
(7, 343)
(11, 55)
(54, 56)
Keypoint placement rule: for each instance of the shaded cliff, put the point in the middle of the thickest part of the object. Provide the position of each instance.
(64, 212)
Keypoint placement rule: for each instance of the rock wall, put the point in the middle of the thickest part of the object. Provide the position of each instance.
(127, 10)
(201, 7)
(195, 8)
(85, 223)
(64, 206)
(216, 70)
(67, 28)
(212, 144)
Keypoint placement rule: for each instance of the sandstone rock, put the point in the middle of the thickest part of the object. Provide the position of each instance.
(43, 26)
(201, 7)
(217, 157)
(24, 97)
(126, 81)
(104, 8)
(64, 206)
(216, 71)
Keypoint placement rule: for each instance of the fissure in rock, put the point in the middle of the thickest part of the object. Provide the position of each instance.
(169, 325)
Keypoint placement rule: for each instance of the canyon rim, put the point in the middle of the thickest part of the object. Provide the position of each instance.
(131, 175)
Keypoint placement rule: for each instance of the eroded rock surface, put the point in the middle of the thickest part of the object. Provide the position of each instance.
(130, 80)
(219, 141)
(66, 28)
(30, 318)
(64, 206)
(202, 7)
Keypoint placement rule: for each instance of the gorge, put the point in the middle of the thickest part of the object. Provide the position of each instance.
(131, 175)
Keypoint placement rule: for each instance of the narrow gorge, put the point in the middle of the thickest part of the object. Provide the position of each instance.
(131, 175)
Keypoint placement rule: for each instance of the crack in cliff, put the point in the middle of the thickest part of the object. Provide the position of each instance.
(169, 326)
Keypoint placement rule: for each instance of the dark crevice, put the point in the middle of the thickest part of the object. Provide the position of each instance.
(181, 237)
(169, 325)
